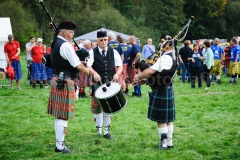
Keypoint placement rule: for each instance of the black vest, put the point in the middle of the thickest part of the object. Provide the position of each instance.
(105, 67)
(162, 79)
(59, 64)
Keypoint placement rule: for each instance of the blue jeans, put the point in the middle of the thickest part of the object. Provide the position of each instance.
(185, 68)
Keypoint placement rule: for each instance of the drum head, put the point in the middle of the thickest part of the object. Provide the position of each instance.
(112, 90)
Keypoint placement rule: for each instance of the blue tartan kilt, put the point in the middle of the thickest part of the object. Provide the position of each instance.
(38, 72)
(17, 69)
(49, 73)
(161, 105)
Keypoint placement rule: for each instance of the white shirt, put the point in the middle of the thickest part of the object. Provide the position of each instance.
(67, 52)
(166, 62)
(117, 58)
(29, 44)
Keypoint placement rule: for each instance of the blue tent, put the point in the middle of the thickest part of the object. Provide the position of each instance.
(92, 36)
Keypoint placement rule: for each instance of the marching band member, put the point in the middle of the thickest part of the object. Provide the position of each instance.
(66, 65)
(101, 63)
(161, 107)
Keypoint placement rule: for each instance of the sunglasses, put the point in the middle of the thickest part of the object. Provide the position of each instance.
(103, 40)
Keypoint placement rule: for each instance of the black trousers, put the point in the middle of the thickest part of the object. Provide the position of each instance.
(196, 73)
(206, 73)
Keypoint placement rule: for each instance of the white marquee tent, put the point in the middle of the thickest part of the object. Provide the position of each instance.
(92, 36)
(5, 30)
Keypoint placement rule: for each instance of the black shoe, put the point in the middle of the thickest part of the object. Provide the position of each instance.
(219, 81)
(169, 147)
(107, 136)
(193, 86)
(34, 85)
(163, 142)
(231, 82)
(234, 82)
(41, 86)
(64, 150)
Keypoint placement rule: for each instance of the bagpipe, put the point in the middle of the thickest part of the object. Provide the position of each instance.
(164, 45)
(46, 58)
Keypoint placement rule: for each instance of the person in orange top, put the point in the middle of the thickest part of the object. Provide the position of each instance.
(12, 51)
(38, 70)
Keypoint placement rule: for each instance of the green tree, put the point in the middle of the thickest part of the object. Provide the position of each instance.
(23, 24)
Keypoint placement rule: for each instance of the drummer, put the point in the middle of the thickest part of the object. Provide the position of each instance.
(101, 63)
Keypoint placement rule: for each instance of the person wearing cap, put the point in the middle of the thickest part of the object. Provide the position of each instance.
(66, 65)
(101, 63)
(161, 105)
(38, 70)
(12, 51)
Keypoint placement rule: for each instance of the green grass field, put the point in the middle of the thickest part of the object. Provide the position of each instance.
(207, 126)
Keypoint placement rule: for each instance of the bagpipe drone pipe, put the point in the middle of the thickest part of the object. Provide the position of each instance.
(167, 41)
(46, 58)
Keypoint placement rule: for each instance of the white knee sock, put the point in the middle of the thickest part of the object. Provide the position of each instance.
(59, 131)
(106, 121)
(218, 77)
(99, 121)
(160, 132)
(169, 135)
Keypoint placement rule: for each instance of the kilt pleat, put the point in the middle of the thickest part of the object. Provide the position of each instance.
(38, 71)
(161, 105)
(234, 69)
(96, 108)
(83, 80)
(61, 102)
(17, 69)
(216, 67)
(49, 73)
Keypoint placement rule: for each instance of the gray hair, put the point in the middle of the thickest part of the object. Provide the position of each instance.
(111, 35)
(85, 42)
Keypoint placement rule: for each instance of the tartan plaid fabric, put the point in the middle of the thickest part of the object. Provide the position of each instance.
(38, 71)
(161, 105)
(125, 74)
(61, 102)
(131, 73)
(120, 78)
(83, 80)
(234, 69)
(49, 73)
(96, 108)
(227, 63)
(17, 69)
(216, 67)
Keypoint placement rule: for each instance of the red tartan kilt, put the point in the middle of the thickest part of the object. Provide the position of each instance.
(120, 79)
(83, 80)
(61, 102)
(131, 73)
(227, 63)
(125, 74)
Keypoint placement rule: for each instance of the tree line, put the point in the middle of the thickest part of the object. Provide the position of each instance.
(141, 18)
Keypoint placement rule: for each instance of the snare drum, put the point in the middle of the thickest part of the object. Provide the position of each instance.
(111, 99)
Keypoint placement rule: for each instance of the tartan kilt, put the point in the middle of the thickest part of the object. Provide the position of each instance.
(17, 69)
(83, 80)
(96, 108)
(216, 67)
(131, 73)
(234, 69)
(227, 63)
(61, 102)
(49, 73)
(120, 78)
(161, 105)
(125, 73)
(38, 71)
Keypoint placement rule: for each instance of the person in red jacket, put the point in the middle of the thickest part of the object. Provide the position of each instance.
(12, 51)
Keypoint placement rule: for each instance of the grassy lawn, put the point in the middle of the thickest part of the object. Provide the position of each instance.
(207, 126)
